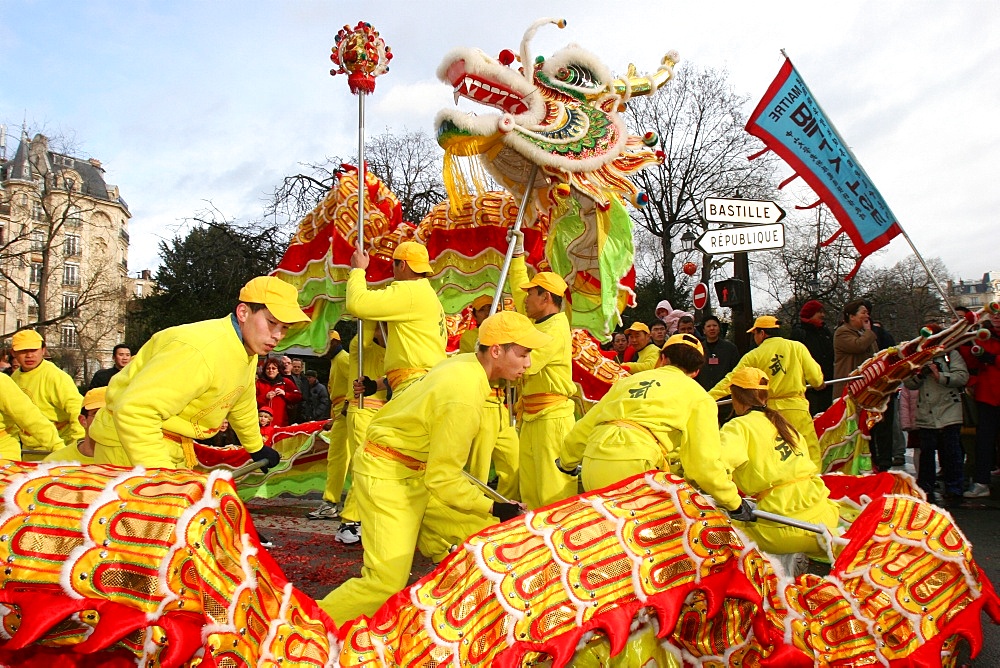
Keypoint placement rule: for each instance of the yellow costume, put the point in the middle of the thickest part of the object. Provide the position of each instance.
(338, 457)
(358, 418)
(645, 361)
(416, 447)
(547, 410)
(503, 451)
(55, 394)
(180, 386)
(789, 368)
(782, 479)
(417, 335)
(20, 417)
(658, 419)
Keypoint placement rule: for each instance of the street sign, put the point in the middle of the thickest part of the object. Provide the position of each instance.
(745, 211)
(700, 296)
(742, 239)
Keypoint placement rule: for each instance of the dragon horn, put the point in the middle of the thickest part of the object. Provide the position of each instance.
(529, 34)
(649, 84)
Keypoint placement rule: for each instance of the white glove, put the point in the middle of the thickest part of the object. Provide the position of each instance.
(518, 236)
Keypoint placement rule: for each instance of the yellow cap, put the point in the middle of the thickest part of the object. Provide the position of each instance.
(549, 281)
(749, 378)
(280, 298)
(765, 322)
(334, 335)
(511, 327)
(685, 340)
(26, 339)
(415, 255)
(481, 301)
(95, 398)
(638, 327)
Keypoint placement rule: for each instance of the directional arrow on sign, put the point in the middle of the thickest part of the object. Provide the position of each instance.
(742, 239)
(725, 210)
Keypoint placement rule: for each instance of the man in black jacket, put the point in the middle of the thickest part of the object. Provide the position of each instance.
(121, 356)
(813, 333)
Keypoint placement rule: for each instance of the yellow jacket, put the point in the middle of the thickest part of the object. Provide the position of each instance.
(55, 394)
(341, 383)
(646, 359)
(551, 369)
(665, 416)
(434, 422)
(417, 335)
(783, 479)
(789, 367)
(18, 416)
(184, 380)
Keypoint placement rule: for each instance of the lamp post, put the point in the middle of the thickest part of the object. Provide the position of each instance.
(687, 240)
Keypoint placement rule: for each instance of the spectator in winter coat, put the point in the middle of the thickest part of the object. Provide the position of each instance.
(319, 398)
(939, 420)
(813, 333)
(276, 392)
(984, 361)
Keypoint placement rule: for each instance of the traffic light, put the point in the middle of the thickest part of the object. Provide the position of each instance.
(729, 292)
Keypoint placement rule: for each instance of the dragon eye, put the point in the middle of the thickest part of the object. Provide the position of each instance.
(577, 75)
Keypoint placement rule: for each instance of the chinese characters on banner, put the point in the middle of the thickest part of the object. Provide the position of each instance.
(791, 123)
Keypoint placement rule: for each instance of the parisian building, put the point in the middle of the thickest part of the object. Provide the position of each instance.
(63, 254)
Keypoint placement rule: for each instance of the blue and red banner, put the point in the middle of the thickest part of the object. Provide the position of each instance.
(790, 122)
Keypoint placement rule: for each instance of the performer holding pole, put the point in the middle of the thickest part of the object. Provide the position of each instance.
(362, 55)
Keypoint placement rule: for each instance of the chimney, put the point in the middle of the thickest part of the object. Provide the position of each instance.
(146, 275)
(96, 163)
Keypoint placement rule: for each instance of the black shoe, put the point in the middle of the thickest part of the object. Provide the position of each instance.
(264, 540)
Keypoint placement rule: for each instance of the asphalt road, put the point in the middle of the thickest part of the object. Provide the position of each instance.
(315, 563)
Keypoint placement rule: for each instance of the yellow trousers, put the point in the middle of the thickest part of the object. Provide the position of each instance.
(541, 439)
(118, 456)
(444, 526)
(338, 459)
(357, 426)
(390, 512)
(783, 539)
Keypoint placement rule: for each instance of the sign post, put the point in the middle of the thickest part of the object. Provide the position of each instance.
(741, 211)
(742, 239)
(700, 296)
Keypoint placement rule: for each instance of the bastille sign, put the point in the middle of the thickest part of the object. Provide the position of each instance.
(742, 239)
(741, 211)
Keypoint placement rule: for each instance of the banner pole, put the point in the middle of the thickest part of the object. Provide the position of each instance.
(930, 275)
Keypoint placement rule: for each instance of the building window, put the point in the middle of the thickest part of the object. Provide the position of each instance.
(70, 184)
(138, 289)
(71, 274)
(36, 272)
(73, 217)
(67, 335)
(72, 244)
(69, 304)
(37, 212)
(38, 240)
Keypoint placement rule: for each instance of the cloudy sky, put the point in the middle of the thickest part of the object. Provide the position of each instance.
(187, 103)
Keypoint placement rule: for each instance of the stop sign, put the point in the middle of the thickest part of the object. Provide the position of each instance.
(700, 296)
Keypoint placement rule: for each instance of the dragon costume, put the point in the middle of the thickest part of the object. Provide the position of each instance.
(106, 566)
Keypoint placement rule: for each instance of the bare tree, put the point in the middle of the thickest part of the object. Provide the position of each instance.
(409, 163)
(699, 121)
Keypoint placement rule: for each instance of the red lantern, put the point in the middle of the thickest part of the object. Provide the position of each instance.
(690, 268)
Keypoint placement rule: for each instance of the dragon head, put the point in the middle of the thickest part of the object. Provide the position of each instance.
(560, 113)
